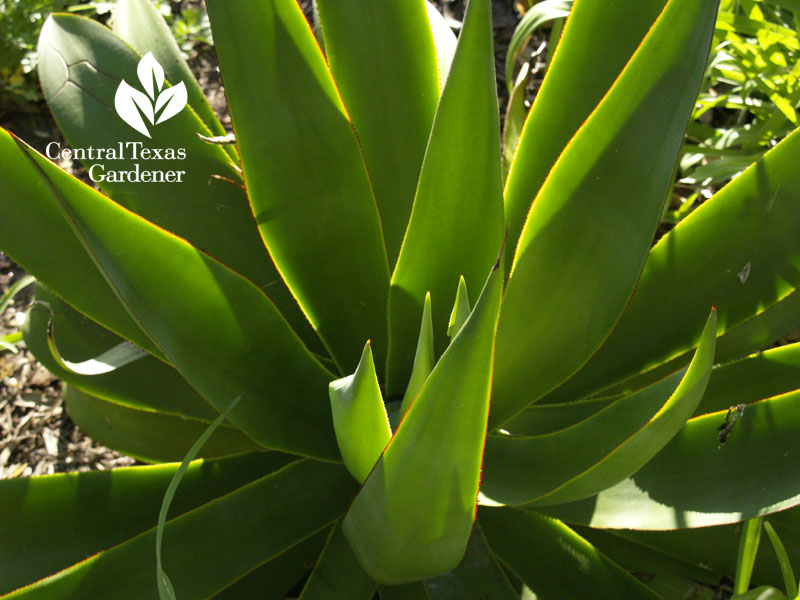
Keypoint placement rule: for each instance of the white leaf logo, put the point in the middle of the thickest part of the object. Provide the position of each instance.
(156, 105)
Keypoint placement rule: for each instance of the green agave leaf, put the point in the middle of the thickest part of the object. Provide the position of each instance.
(359, 417)
(477, 576)
(584, 242)
(337, 574)
(576, 80)
(606, 447)
(538, 419)
(123, 353)
(140, 23)
(274, 580)
(125, 501)
(211, 547)
(81, 64)
(456, 224)
(230, 341)
(62, 264)
(750, 336)
(746, 235)
(661, 572)
(147, 383)
(413, 515)
(148, 435)
(762, 375)
(363, 41)
(461, 310)
(715, 548)
(305, 175)
(444, 40)
(424, 358)
(553, 560)
(538, 15)
(695, 481)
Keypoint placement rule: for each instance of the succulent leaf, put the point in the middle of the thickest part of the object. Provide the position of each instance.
(413, 516)
(607, 447)
(231, 322)
(750, 221)
(424, 359)
(359, 417)
(337, 574)
(322, 227)
(589, 230)
(456, 225)
(461, 310)
(363, 42)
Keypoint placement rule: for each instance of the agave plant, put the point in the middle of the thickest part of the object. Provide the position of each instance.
(411, 408)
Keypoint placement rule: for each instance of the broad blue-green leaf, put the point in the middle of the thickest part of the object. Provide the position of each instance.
(125, 501)
(477, 576)
(62, 264)
(553, 560)
(413, 516)
(120, 355)
(305, 175)
(714, 549)
(359, 417)
(695, 481)
(752, 221)
(140, 23)
(337, 574)
(456, 224)
(597, 42)
(604, 448)
(587, 235)
(762, 375)
(211, 547)
(146, 384)
(274, 580)
(146, 434)
(667, 575)
(229, 341)
(547, 418)
(81, 63)
(382, 55)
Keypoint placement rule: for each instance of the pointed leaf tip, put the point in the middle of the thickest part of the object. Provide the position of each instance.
(461, 309)
(359, 417)
(424, 359)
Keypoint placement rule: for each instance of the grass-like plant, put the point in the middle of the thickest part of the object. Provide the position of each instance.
(417, 410)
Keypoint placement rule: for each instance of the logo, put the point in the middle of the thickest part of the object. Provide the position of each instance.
(156, 105)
